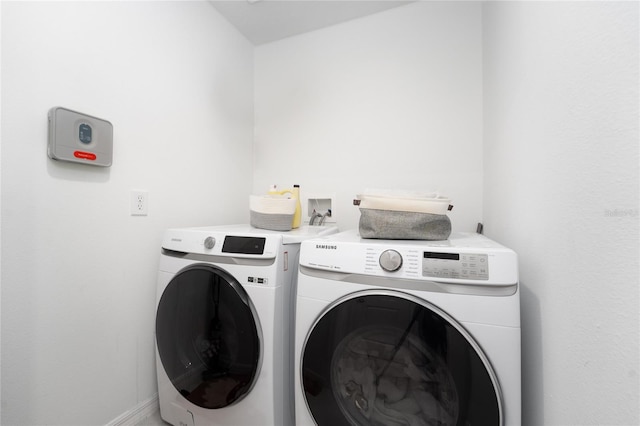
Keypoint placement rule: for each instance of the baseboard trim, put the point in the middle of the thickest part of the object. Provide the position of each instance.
(137, 413)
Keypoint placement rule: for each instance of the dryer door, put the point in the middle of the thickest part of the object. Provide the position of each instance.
(208, 337)
(389, 358)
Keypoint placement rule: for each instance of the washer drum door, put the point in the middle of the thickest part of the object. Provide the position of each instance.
(208, 337)
(390, 358)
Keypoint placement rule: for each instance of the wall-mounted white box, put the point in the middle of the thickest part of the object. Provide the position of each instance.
(321, 204)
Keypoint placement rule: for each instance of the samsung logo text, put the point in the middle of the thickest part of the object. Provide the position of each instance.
(326, 247)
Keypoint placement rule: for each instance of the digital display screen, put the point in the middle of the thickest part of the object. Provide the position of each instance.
(84, 133)
(243, 245)
(445, 256)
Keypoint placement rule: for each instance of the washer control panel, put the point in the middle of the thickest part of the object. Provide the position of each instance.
(468, 266)
(390, 260)
(209, 243)
(462, 259)
(381, 260)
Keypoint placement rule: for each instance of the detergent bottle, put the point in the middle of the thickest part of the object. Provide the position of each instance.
(297, 216)
(295, 193)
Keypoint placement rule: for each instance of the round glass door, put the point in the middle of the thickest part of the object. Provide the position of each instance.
(388, 358)
(208, 337)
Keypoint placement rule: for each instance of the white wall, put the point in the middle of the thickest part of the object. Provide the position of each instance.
(393, 100)
(78, 272)
(561, 188)
(559, 181)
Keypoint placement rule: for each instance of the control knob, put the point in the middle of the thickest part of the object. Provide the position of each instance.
(209, 242)
(390, 260)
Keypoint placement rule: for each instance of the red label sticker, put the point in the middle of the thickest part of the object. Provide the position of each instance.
(84, 155)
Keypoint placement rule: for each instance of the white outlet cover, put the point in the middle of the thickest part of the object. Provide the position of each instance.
(139, 203)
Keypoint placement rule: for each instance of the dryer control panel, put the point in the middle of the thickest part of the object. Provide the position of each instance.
(216, 243)
(470, 266)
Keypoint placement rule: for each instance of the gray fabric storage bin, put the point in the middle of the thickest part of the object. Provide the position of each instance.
(397, 225)
(272, 222)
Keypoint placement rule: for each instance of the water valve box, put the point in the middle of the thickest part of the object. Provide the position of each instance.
(79, 138)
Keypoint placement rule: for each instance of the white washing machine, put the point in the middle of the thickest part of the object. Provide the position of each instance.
(407, 332)
(224, 325)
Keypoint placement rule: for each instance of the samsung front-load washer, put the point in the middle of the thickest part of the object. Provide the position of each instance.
(224, 325)
(407, 332)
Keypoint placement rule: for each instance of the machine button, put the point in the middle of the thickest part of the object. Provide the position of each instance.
(390, 260)
(209, 242)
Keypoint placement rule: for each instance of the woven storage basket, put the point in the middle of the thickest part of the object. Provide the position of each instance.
(272, 213)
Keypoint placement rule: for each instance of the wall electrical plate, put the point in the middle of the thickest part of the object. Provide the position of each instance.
(139, 203)
(79, 138)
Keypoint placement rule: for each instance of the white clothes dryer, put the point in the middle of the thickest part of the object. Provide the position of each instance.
(407, 332)
(224, 325)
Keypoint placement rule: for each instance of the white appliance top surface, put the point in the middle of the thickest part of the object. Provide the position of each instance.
(456, 240)
(295, 236)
